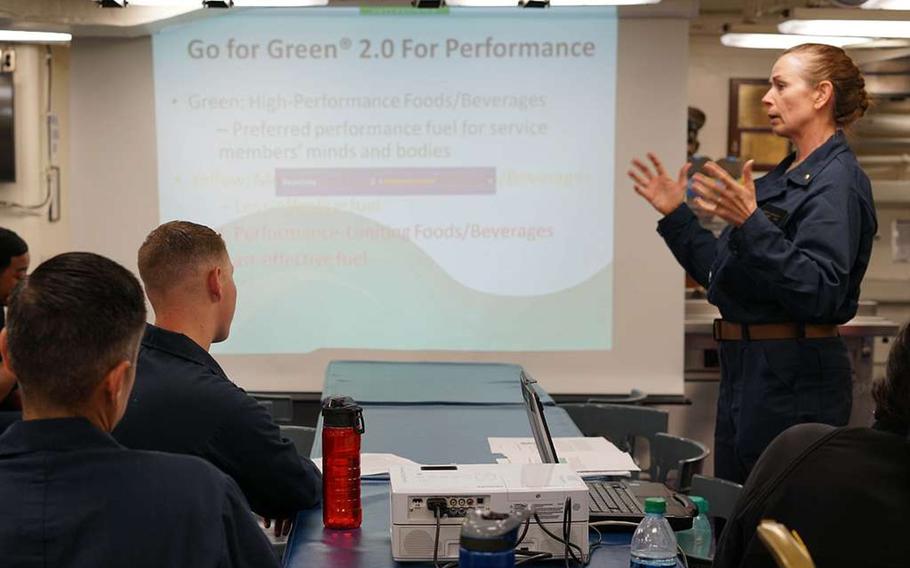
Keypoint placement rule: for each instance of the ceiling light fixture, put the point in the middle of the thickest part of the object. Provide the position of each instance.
(785, 41)
(766, 36)
(279, 3)
(22, 36)
(167, 3)
(828, 22)
(483, 3)
(886, 5)
(551, 3)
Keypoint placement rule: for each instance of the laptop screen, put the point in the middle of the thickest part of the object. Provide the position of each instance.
(538, 421)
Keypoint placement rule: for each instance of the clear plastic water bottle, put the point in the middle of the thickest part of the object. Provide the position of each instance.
(653, 543)
(697, 541)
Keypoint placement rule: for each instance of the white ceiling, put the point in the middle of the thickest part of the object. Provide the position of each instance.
(85, 18)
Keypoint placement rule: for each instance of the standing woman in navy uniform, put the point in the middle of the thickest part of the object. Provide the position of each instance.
(788, 267)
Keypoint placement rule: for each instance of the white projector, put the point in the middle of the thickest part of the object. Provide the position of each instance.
(418, 491)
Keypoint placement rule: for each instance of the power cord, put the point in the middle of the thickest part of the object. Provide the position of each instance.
(573, 548)
(436, 539)
(530, 555)
(613, 524)
(533, 557)
(596, 545)
(682, 554)
(524, 533)
(570, 547)
(567, 533)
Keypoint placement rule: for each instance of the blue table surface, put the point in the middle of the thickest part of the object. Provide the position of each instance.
(472, 403)
(401, 383)
(434, 434)
(370, 546)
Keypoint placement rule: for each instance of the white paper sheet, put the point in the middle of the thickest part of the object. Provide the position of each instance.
(587, 456)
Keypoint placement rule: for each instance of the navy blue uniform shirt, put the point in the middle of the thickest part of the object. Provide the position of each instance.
(800, 257)
(184, 403)
(74, 498)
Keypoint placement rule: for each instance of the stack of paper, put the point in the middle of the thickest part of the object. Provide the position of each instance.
(589, 457)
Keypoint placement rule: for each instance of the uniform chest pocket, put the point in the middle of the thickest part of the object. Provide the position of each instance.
(775, 214)
(781, 209)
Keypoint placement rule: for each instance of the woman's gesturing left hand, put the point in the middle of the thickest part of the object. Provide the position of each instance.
(723, 196)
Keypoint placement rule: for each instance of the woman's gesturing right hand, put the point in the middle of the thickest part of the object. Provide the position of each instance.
(661, 191)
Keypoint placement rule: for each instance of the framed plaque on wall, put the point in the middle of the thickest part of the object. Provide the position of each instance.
(749, 135)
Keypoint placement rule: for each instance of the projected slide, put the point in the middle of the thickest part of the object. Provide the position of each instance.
(429, 180)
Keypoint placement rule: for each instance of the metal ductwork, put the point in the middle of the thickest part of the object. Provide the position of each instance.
(881, 140)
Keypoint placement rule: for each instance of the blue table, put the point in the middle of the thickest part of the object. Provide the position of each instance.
(432, 434)
(400, 383)
(452, 429)
(370, 546)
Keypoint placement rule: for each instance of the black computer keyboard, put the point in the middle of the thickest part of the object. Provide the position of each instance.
(612, 497)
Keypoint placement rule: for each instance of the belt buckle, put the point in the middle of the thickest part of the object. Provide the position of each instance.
(715, 331)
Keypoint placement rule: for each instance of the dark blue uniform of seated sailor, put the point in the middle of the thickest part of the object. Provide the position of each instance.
(183, 401)
(72, 496)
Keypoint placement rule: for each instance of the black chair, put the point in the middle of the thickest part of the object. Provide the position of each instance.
(675, 460)
(635, 396)
(280, 407)
(720, 494)
(302, 436)
(623, 425)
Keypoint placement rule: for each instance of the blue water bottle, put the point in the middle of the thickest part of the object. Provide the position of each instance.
(488, 539)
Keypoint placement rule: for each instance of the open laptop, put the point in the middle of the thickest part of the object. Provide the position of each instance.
(610, 500)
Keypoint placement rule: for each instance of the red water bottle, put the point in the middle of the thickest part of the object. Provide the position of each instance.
(342, 425)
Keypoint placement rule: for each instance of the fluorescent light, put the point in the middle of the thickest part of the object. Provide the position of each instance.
(887, 43)
(766, 36)
(238, 3)
(864, 28)
(167, 3)
(279, 3)
(886, 5)
(826, 22)
(785, 41)
(601, 2)
(553, 3)
(483, 3)
(22, 36)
